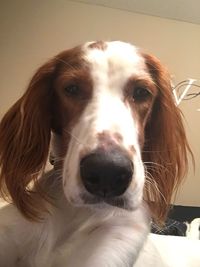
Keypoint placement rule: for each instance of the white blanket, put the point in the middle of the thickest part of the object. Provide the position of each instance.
(169, 251)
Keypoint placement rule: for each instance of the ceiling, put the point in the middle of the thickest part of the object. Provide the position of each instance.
(182, 10)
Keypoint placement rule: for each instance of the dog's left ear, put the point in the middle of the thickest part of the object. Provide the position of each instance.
(24, 140)
(166, 149)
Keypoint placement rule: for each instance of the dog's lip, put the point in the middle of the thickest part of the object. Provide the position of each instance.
(120, 202)
(115, 201)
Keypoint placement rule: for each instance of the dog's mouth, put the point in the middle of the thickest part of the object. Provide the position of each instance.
(100, 202)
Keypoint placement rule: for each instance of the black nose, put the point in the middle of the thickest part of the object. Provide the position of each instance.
(106, 174)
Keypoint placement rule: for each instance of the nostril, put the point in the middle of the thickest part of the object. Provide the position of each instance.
(106, 174)
(93, 180)
(123, 177)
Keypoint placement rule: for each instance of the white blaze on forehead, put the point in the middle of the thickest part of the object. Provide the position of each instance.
(110, 70)
(118, 62)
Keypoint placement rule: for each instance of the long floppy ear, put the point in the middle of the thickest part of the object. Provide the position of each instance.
(24, 141)
(166, 149)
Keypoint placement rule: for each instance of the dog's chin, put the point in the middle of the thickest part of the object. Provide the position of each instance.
(101, 203)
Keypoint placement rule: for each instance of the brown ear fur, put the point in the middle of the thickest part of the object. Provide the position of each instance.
(24, 142)
(166, 147)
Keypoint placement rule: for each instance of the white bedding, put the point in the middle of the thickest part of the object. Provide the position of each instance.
(169, 251)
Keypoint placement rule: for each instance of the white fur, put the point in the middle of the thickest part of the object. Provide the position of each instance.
(72, 237)
(70, 225)
(107, 111)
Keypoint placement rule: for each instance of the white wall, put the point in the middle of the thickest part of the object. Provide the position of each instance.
(33, 31)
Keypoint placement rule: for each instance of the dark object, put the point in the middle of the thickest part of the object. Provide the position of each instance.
(171, 227)
(184, 213)
(106, 173)
(175, 224)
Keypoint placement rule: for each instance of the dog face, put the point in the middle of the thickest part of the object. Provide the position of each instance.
(115, 94)
(110, 110)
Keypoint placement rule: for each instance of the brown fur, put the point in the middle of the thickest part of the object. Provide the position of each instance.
(26, 128)
(98, 45)
(165, 149)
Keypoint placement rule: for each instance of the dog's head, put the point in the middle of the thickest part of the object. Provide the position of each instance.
(115, 130)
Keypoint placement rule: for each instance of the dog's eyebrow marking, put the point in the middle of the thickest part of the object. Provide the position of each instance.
(98, 45)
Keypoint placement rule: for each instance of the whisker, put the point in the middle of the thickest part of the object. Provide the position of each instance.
(66, 63)
(57, 159)
(153, 163)
(150, 181)
(75, 138)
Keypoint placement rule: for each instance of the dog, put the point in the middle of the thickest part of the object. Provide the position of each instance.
(105, 113)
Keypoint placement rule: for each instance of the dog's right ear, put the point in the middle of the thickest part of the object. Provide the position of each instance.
(24, 141)
(166, 152)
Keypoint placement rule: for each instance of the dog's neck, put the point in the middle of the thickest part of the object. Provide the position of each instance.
(68, 224)
(61, 213)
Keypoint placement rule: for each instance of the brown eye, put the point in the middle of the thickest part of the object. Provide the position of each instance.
(72, 90)
(140, 94)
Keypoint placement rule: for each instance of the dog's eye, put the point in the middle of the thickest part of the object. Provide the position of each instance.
(140, 94)
(72, 90)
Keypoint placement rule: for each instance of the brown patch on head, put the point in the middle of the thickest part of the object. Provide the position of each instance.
(48, 104)
(141, 105)
(165, 148)
(73, 87)
(98, 45)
